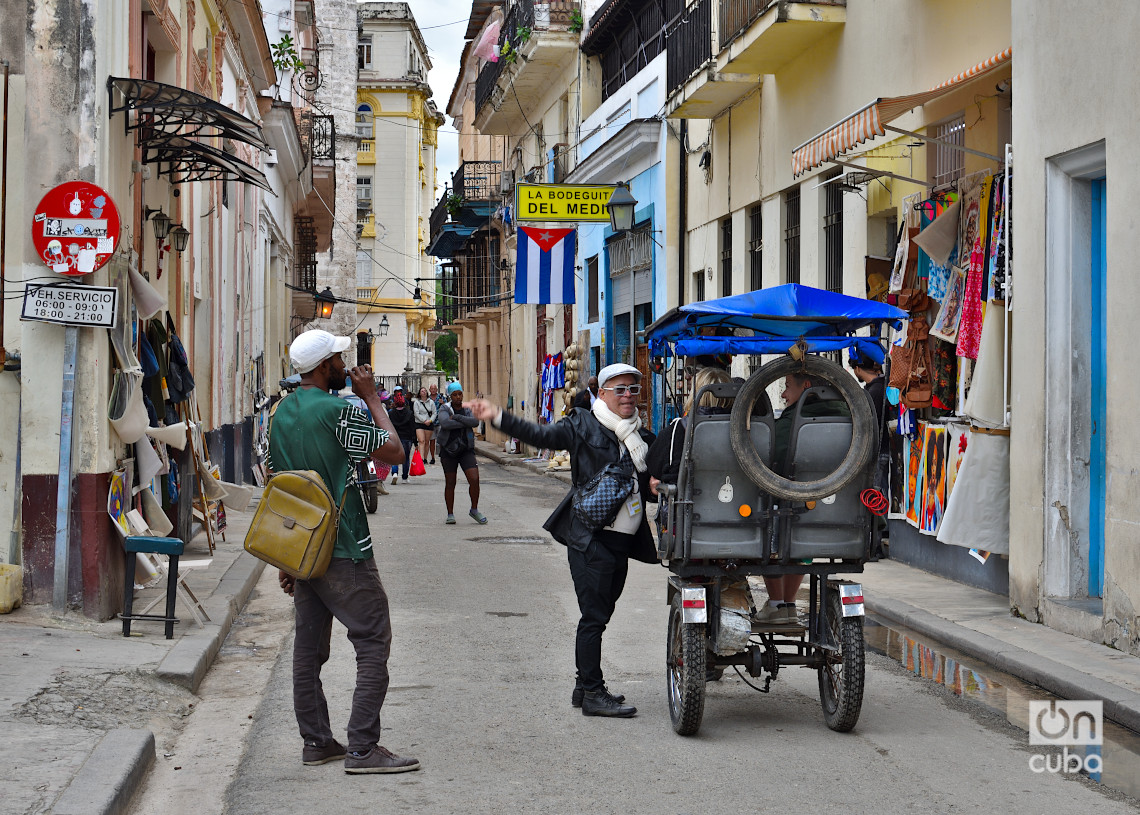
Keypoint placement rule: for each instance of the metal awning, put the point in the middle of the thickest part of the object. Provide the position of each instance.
(188, 160)
(450, 240)
(169, 110)
(872, 120)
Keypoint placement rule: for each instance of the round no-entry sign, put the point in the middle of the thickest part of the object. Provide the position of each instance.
(76, 228)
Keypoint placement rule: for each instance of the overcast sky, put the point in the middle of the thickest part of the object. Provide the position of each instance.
(443, 24)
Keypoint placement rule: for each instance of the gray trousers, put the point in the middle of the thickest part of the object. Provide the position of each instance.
(352, 593)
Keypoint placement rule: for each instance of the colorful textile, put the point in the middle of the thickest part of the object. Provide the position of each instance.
(970, 327)
(945, 375)
(544, 269)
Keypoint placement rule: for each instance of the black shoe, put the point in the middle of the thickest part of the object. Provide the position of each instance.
(600, 703)
(314, 754)
(576, 696)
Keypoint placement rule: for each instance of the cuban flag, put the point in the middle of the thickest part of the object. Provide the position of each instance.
(544, 268)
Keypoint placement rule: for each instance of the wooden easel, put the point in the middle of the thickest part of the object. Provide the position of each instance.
(202, 509)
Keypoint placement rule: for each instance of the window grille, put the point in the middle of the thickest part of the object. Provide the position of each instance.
(792, 235)
(833, 235)
(592, 286)
(698, 286)
(949, 163)
(632, 251)
(755, 248)
(726, 257)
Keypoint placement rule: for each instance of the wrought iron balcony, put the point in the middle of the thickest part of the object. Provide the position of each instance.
(526, 27)
(477, 181)
(318, 135)
(688, 43)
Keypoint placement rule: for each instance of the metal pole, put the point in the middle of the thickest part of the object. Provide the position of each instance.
(63, 490)
(4, 215)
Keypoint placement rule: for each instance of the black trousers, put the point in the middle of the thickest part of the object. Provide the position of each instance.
(599, 576)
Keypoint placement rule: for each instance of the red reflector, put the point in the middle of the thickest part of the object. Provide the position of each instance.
(852, 600)
(692, 604)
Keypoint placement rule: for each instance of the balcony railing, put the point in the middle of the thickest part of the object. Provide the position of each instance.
(477, 181)
(318, 135)
(737, 15)
(689, 42)
(438, 215)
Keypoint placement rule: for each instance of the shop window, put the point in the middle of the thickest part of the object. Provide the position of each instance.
(792, 235)
(947, 163)
(726, 257)
(833, 234)
(592, 287)
(755, 248)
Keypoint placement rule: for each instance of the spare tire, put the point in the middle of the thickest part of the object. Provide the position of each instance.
(859, 454)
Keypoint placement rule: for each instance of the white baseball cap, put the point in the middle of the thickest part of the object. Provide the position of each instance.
(617, 369)
(313, 347)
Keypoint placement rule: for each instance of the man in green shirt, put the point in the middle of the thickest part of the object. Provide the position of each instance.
(312, 429)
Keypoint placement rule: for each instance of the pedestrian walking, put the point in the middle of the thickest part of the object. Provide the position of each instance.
(440, 400)
(424, 410)
(314, 430)
(457, 452)
(404, 420)
(599, 559)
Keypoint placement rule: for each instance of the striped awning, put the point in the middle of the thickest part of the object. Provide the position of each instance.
(867, 122)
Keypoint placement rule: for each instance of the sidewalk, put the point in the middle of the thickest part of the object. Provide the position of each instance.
(978, 623)
(80, 705)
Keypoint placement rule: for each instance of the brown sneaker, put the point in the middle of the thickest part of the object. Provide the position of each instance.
(316, 754)
(378, 760)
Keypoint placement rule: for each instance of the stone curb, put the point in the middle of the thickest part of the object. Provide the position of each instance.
(496, 455)
(1120, 705)
(110, 776)
(187, 662)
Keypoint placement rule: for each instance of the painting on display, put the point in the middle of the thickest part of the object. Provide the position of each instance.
(957, 439)
(913, 498)
(945, 325)
(933, 479)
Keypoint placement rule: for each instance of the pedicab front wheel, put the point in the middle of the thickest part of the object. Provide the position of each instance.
(685, 672)
(841, 677)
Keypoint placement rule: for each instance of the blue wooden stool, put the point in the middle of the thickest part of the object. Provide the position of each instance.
(172, 548)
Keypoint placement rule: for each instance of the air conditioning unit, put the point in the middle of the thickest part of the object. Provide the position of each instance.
(270, 158)
(507, 182)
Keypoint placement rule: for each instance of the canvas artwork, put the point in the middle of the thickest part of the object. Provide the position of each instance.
(913, 474)
(117, 503)
(933, 479)
(945, 325)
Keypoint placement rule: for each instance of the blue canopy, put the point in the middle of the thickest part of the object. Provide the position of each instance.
(778, 317)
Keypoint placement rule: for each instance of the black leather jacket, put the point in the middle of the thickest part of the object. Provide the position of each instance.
(591, 448)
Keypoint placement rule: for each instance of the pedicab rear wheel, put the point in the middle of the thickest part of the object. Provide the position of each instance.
(841, 678)
(370, 497)
(685, 671)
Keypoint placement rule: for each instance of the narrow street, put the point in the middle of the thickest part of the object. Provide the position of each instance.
(482, 669)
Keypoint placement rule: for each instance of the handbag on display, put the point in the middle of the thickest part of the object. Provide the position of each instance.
(598, 501)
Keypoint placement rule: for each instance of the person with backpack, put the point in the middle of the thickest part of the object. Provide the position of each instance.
(404, 420)
(457, 451)
(314, 430)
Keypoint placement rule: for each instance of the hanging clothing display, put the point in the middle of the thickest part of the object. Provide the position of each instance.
(970, 327)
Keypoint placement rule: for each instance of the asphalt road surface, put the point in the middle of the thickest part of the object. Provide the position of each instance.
(482, 668)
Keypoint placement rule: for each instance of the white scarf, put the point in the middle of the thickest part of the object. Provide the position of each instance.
(625, 430)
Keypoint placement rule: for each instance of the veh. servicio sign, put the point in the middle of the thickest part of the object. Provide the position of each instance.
(71, 305)
(571, 203)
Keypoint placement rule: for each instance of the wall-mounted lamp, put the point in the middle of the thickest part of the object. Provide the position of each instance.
(179, 236)
(621, 206)
(325, 301)
(159, 220)
(383, 327)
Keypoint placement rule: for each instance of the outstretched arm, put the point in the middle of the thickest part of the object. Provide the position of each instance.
(557, 436)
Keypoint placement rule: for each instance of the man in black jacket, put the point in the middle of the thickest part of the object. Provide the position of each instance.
(599, 560)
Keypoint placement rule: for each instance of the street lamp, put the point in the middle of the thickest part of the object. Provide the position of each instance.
(383, 327)
(159, 220)
(179, 236)
(621, 205)
(326, 300)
